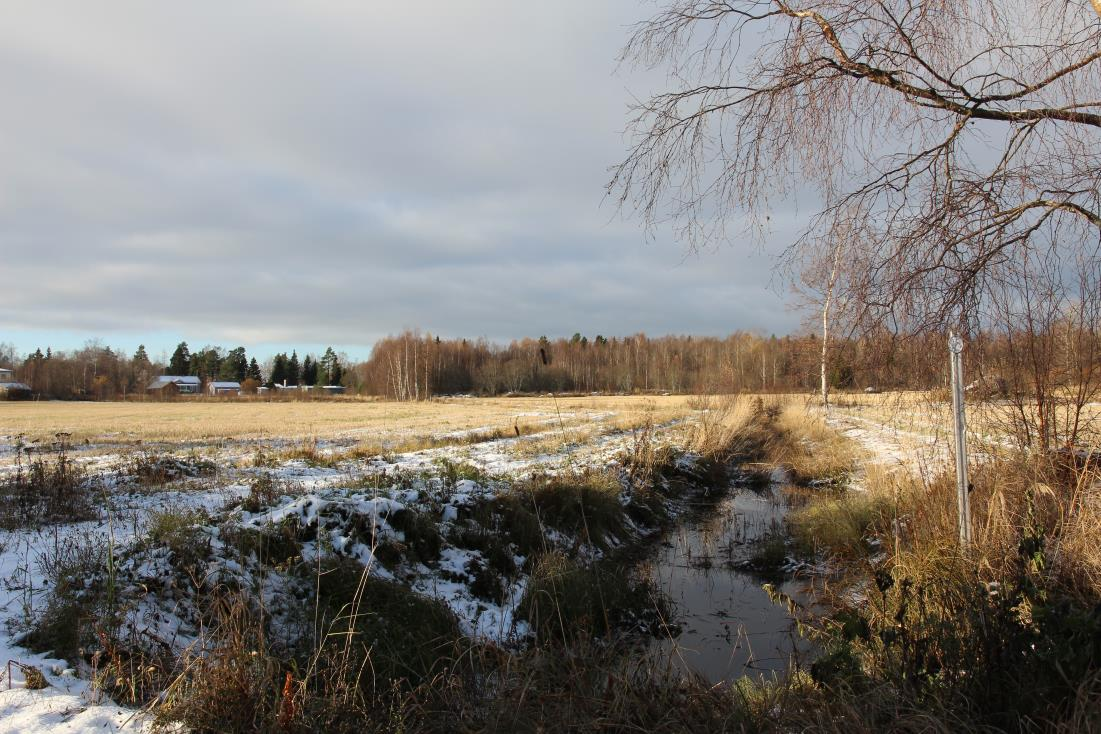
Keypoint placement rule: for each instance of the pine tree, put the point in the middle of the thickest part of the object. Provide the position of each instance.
(294, 371)
(180, 363)
(140, 357)
(337, 374)
(327, 362)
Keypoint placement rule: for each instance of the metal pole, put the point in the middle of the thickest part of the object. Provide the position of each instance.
(955, 348)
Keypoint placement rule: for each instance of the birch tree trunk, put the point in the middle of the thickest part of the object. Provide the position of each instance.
(826, 321)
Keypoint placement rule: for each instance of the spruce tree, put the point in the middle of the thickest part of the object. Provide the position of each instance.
(140, 368)
(180, 363)
(309, 371)
(294, 371)
(254, 371)
(279, 369)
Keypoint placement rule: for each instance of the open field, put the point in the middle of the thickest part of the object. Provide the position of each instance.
(201, 420)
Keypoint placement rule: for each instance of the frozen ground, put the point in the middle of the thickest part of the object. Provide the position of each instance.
(889, 445)
(348, 505)
(917, 442)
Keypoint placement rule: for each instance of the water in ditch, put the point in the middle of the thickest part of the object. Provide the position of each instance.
(729, 626)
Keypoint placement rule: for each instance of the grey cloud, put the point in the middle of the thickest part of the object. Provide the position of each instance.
(334, 171)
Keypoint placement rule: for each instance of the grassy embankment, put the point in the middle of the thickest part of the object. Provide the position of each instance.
(1004, 635)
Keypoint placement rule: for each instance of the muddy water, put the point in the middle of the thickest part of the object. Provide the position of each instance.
(729, 627)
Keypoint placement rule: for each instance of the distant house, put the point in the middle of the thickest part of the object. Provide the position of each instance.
(175, 385)
(224, 388)
(322, 389)
(15, 391)
(12, 390)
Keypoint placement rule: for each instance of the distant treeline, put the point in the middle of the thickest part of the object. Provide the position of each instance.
(416, 366)
(213, 363)
(413, 366)
(97, 372)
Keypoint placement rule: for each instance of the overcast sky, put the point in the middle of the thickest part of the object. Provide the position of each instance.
(304, 173)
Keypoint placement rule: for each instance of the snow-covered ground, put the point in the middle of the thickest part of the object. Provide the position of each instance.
(348, 507)
(891, 446)
(918, 444)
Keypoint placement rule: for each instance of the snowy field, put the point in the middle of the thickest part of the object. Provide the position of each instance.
(210, 504)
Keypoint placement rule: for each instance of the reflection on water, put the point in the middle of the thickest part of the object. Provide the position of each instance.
(729, 626)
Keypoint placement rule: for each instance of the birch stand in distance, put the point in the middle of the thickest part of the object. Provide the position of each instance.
(955, 349)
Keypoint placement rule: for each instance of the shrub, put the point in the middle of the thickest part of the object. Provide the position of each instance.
(401, 635)
(45, 491)
(263, 491)
(453, 472)
(272, 545)
(180, 530)
(509, 519)
(74, 572)
(422, 534)
(151, 468)
(1005, 655)
(231, 683)
(585, 505)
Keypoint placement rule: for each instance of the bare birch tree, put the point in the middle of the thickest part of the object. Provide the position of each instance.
(946, 136)
(827, 302)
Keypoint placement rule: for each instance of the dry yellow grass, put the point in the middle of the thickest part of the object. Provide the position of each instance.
(814, 449)
(199, 420)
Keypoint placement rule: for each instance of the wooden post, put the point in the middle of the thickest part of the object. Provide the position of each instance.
(955, 349)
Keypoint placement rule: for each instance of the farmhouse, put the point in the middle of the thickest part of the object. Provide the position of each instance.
(224, 388)
(175, 385)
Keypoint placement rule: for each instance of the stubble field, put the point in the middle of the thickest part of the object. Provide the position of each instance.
(189, 420)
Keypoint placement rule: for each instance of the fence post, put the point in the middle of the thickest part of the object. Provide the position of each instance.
(955, 349)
